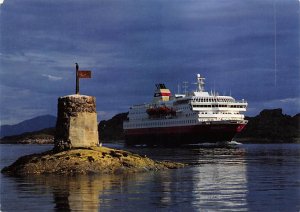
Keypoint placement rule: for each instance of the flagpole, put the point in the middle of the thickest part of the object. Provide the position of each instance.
(77, 79)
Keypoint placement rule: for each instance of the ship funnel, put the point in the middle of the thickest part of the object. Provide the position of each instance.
(161, 93)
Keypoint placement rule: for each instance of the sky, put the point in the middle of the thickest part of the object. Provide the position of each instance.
(249, 48)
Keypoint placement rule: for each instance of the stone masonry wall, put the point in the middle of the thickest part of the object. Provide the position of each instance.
(76, 124)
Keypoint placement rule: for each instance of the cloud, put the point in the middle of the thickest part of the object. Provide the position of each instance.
(131, 45)
(52, 78)
(291, 100)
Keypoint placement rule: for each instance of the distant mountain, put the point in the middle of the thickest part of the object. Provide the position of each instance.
(31, 125)
(44, 136)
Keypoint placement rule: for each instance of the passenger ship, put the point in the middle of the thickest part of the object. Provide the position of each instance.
(191, 118)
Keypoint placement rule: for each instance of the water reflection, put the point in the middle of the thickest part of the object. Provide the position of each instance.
(69, 193)
(273, 177)
(92, 193)
(247, 178)
(220, 181)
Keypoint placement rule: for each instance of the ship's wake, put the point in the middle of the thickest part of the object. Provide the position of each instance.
(225, 144)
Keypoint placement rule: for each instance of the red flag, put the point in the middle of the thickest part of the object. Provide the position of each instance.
(84, 74)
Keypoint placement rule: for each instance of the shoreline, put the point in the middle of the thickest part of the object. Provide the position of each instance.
(243, 141)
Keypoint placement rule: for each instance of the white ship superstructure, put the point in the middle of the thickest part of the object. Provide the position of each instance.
(193, 117)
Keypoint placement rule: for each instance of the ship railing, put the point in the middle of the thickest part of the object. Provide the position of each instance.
(241, 101)
(141, 105)
(158, 118)
(219, 106)
(222, 119)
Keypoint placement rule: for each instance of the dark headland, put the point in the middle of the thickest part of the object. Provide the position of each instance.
(271, 126)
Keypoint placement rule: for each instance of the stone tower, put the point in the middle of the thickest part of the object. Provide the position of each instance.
(76, 124)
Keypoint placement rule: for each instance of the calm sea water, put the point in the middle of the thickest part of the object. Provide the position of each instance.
(252, 177)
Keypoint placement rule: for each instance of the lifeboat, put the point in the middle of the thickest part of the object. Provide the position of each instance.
(160, 111)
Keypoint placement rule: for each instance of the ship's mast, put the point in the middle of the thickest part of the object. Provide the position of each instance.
(200, 83)
(185, 86)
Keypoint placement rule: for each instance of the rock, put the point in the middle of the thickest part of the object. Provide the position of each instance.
(95, 160)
